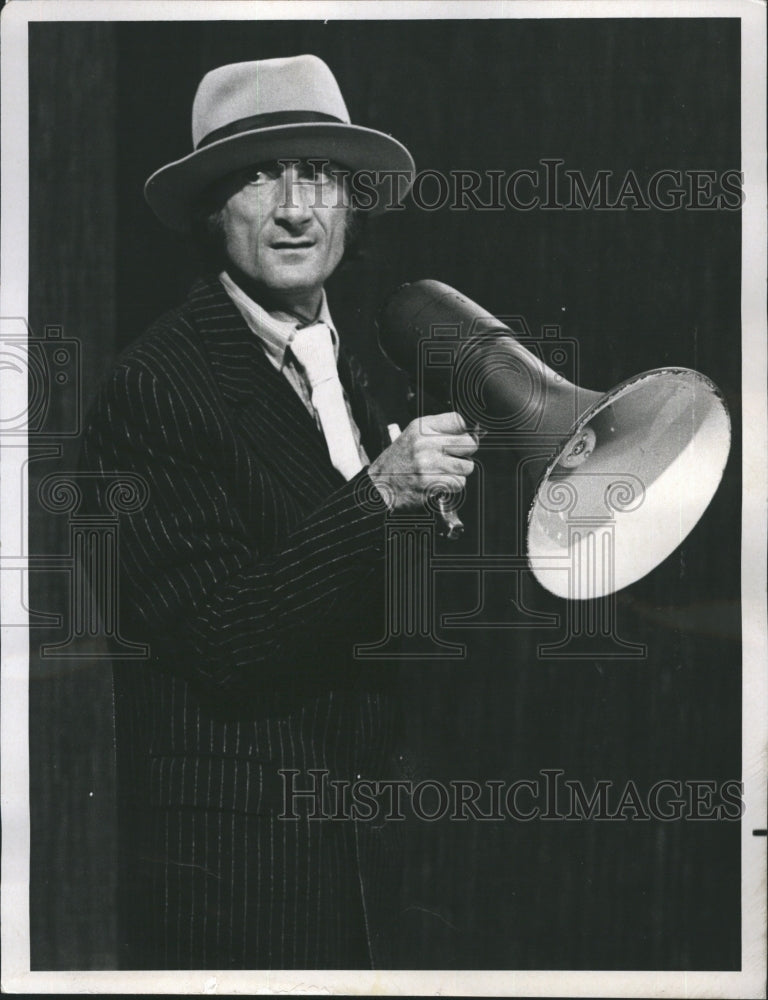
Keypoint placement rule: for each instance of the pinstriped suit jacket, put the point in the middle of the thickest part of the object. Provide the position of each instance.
(250, 572)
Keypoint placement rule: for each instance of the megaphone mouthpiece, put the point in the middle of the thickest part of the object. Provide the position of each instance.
(467, 359)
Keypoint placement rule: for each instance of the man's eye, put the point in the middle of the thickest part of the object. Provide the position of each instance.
(262, 172)
(306, 172)
(315, 173)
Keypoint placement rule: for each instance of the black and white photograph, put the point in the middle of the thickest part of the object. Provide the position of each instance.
(383, 442)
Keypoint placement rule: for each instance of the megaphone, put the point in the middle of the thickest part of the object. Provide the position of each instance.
(630, 471)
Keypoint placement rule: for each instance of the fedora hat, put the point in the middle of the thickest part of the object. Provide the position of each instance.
(270, 109)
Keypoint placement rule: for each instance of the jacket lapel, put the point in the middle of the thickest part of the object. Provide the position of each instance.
(271, 416)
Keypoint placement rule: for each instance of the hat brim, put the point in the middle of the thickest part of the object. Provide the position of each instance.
(172, 190)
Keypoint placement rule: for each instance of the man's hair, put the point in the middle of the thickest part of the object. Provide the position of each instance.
(207, 229)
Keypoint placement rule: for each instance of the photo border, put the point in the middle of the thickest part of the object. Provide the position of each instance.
(14, 695)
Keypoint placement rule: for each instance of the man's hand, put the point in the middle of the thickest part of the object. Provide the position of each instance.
(432, 452)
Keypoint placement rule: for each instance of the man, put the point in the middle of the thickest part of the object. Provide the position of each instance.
(258, 560)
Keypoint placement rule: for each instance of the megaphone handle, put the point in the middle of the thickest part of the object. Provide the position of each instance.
(453, 526)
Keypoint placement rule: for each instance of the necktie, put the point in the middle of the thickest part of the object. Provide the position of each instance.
(313, 349)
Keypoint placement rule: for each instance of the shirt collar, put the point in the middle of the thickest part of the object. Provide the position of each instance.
(275, 330)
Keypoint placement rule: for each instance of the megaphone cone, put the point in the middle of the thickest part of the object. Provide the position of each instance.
(629, 472)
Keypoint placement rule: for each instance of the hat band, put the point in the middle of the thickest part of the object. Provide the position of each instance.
(266, 120)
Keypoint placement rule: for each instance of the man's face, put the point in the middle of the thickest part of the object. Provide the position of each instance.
(284, 227)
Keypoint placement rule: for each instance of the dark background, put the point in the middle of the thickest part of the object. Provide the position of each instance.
(634, 289)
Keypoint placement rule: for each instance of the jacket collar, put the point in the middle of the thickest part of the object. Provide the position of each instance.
(233, 351)
(275, 331)
(246, 377)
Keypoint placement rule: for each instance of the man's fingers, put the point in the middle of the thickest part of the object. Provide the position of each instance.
(448, 465)
(442, 423)
(460, 444)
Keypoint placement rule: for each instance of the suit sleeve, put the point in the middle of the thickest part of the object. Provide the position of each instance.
(235, 610)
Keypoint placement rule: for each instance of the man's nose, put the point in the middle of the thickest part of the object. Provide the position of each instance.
(295, 198)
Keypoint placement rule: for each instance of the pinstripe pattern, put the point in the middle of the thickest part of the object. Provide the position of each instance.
(251, 572)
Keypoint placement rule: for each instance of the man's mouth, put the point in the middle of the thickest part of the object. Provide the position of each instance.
(293, 244)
